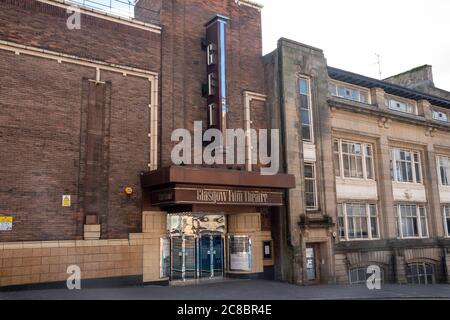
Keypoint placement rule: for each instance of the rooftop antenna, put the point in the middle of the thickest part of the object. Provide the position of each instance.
(379, 65)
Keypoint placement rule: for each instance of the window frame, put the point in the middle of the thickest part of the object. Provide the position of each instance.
(413, 104)
(446, 216)
(314, 180)
(347, 86)
(394, 168)
(438, 164)
(343, 214)
(418, 218)
(418, 275)
(435, 111)
(310, 110)
(363, 155)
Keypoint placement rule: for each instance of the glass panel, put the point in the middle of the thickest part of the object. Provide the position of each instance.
(332, 89)
(447, 220)
(189, 251)
(304, 86)
(373, 220)
(205, 256)
(164, 271)
(240, 253)
(218, 254)
(423, 222)
(306, 132)
(309, 171)
(369, 168)
(305, 117)
(177, 257)
(337, 165)
(304, 102)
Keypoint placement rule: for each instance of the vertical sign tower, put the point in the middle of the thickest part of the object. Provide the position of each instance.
(216, 72)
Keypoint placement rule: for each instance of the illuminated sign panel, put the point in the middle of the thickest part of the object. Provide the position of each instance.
(217, 104)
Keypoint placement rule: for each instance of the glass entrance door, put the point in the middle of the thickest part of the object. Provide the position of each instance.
(183, 257)
(211, 256)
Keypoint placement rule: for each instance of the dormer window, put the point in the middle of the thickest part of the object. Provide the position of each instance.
(440, 116)
(348, 92)
(400, 106)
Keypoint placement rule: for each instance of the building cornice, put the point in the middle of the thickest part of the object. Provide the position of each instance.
(367, 109)
(250, 3)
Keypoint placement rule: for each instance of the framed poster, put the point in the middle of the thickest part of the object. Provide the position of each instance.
(240, 253)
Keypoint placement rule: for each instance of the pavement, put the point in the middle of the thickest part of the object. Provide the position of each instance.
(237, 290)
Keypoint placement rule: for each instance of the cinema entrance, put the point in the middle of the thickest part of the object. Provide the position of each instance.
(212, 224)
(196, 246)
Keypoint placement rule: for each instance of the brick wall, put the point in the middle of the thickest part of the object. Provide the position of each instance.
(40, 128)
(44, 116)
(184, 65)
(33, 23)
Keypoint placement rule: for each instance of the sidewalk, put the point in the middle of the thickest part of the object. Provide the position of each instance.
(239, 290)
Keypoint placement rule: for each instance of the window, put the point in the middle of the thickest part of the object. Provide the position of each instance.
(412, 221)
(305, 110)
(360, 276)
(399, 106)
(353, 159)
(211, 54)
(406, 166)
(444, 170)
(357, 221)
(420, 273)
(348, 93)
(447, 220)
(440, 116)
(310, 186)
(212, 84)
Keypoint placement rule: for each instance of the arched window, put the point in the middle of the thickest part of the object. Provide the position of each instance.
(360, 276)
(420, 273)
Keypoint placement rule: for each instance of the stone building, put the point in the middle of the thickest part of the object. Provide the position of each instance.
(371, 161)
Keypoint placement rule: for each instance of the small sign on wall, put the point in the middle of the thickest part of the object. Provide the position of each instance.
(66, 201)
(6, 223)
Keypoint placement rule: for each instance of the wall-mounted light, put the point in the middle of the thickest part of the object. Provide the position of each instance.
(128, 191)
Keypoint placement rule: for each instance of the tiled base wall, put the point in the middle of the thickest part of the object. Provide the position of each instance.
(47, 261)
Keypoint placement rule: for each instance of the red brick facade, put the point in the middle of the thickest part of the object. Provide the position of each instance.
(44, 117)
(46, 107)
(184, 66)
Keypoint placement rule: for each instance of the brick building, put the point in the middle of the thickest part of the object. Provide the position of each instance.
(86, 128)
(370, 159)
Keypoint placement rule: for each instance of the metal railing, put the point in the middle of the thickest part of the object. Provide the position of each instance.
(122, 8)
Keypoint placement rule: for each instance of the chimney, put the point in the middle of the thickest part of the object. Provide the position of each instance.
(418, 77)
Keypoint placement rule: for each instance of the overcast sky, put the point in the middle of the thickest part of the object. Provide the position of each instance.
(406, 33)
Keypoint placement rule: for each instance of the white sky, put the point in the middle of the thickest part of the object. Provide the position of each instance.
(406, 33)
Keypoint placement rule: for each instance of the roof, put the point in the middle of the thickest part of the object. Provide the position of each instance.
(363, 81)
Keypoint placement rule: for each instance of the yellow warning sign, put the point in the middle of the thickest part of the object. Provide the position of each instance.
(6, 223)
(66, 201)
